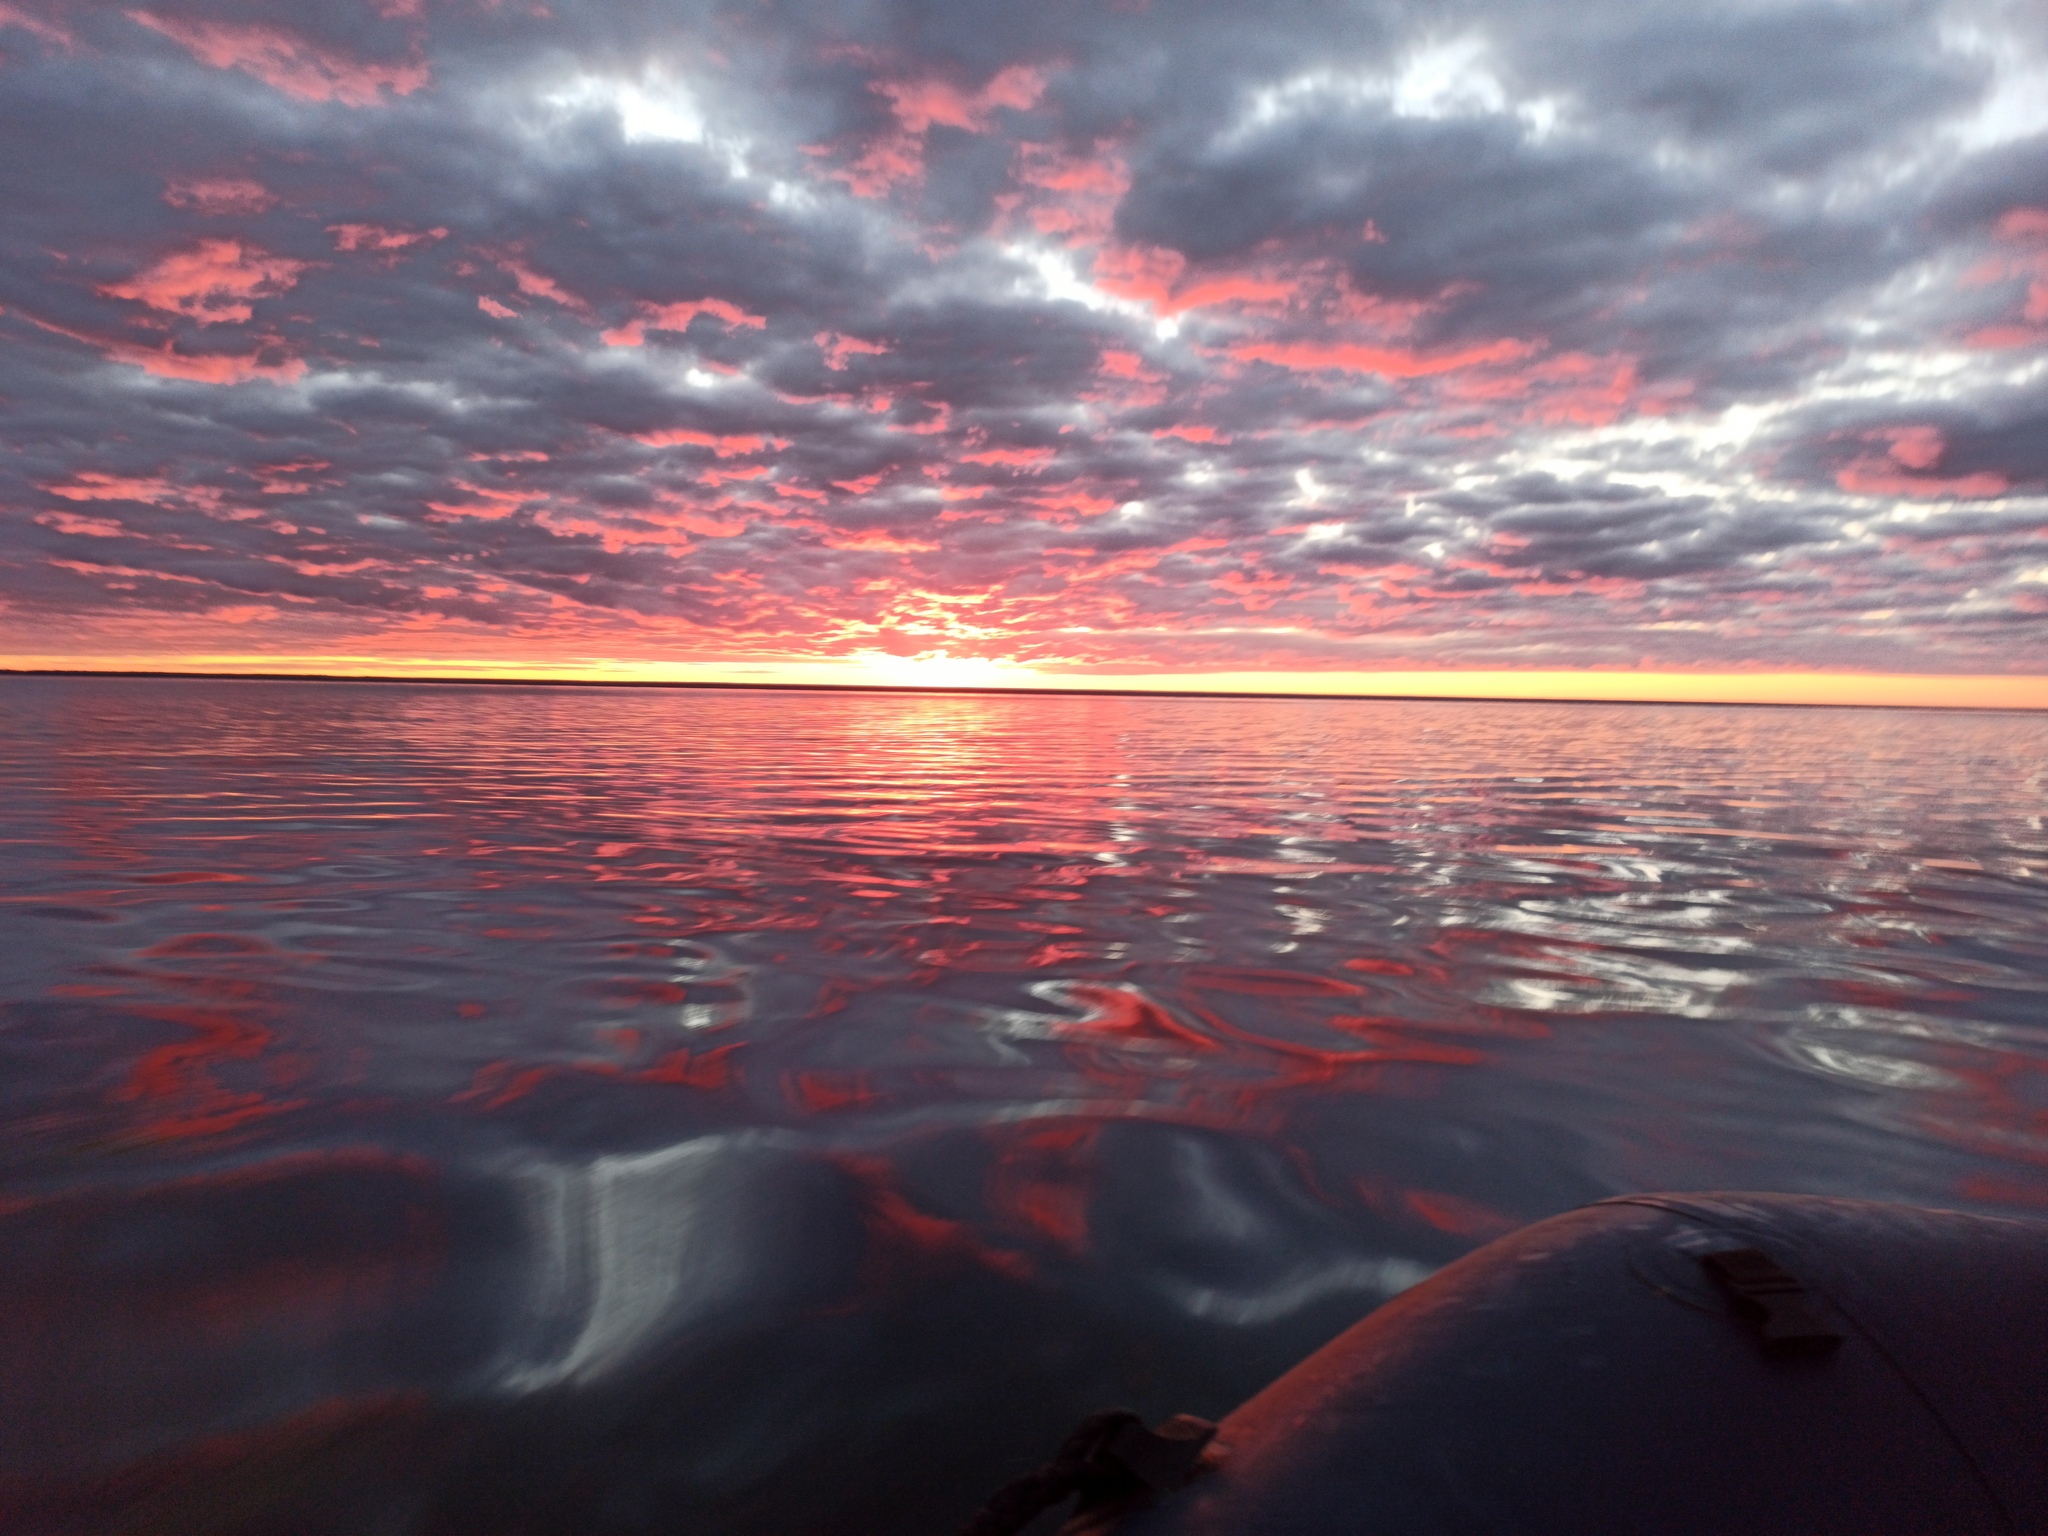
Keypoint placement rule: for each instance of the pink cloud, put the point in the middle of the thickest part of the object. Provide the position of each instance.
(538, 286)
(1138, 386)
(1102, 569)
(1158, 277)
(219, 195)
(1044, 165)
(1146, 273)
(1390, 362)
(899, 158)
(1918, 447)
(294, 478)
(613, 535)
(374, 237)
(488, 505)
(876, 541)
(212, 282)
(1993, 338)
(2026, 227)
(717, 477)
(940, 423)
(1128, 365)
(286, 62)
(101, 568)
(1235, 289)
(707, 522)
(2024, 224)
(918, 104)
(1572, 387)
(838, 348)
(38, 26)
(1072, 196)
(87, 527)
(1067, 507)
(1257, 591)
(1021, 458)
(1871, 477)
(1911, 449)
(723, 447)
(94, 486)
(677, 317)
(1403, 374)
(167, 362)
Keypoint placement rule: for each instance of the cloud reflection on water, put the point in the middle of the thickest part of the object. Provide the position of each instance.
(620, 1099)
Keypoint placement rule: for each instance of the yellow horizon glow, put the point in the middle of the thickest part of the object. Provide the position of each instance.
(938, 670)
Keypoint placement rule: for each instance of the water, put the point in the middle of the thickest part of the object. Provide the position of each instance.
(510, 1110)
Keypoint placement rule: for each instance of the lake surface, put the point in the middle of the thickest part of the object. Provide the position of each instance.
(489, 1109)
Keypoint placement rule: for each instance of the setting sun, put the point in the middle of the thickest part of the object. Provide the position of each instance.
(938, 669)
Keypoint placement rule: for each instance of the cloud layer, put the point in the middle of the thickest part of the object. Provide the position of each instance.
(1117, 338)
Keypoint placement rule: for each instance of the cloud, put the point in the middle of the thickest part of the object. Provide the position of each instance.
(45, 28)
(374, 237)
(287, 61)
(1334, 336)
(220, 195)
(213, 281)
(677, 318)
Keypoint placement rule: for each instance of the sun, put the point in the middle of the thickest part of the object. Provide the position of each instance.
(942, 669)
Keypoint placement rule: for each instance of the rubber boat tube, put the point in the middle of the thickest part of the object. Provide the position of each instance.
(1734, 1364)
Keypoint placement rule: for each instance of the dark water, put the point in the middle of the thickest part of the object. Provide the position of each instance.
(530, 1110)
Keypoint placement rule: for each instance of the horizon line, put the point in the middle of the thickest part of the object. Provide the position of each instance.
(446, 680)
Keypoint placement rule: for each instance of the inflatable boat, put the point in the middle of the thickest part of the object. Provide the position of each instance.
(1733, 1364)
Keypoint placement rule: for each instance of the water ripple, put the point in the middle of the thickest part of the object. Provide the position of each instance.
(556, 1110)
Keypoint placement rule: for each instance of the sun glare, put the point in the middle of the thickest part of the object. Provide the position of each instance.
(942, 669)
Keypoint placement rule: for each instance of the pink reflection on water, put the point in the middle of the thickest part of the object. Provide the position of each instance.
(1244, 903)
(1212, 1012)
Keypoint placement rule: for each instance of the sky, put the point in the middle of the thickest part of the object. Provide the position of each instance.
(1608, 347)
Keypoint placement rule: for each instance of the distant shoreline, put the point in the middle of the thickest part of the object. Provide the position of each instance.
(987, 691)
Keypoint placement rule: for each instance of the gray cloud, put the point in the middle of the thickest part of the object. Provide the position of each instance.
(1335, 335)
